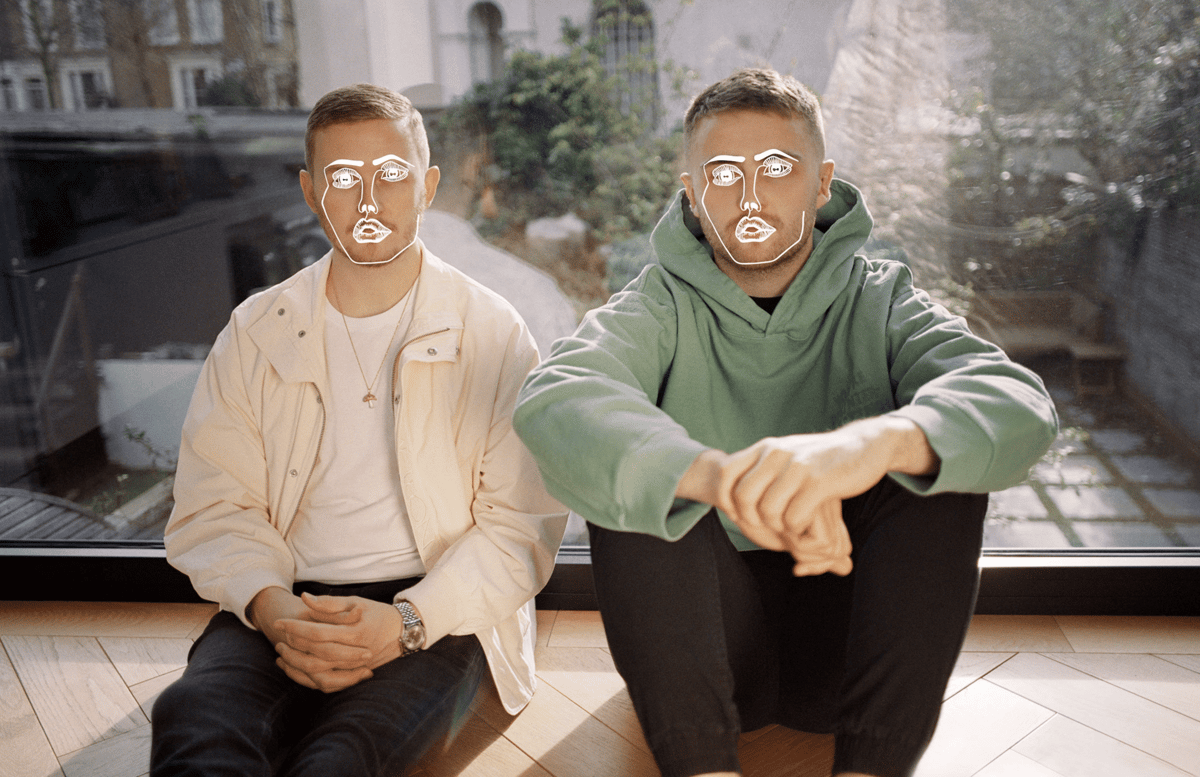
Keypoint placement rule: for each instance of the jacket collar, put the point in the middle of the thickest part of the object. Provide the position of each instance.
(290, 323)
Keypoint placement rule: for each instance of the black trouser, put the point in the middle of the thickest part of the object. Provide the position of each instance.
(234, 712)
(713, 642)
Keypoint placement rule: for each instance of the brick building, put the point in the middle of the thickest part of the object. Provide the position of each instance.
(82, 55)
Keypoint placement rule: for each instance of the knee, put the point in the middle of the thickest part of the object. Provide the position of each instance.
(175, 703)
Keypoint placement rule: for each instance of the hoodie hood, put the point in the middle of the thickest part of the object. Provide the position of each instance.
(843, 226)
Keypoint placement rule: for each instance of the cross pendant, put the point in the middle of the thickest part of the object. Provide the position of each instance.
(369, 398)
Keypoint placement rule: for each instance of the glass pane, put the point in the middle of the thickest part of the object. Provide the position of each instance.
(129, 252)
(1031, 161)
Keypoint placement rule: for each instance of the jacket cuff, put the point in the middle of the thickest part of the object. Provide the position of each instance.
(436, 614)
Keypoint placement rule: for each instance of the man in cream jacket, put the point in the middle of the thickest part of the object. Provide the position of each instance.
(350, 489)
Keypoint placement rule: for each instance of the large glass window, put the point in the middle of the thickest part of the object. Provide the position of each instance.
(1032, 161)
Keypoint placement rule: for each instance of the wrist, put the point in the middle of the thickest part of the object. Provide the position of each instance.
(906, 449)
(700, 480)
(412, 629)
(258, 611)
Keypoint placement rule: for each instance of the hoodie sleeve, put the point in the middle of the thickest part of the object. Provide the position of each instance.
(988, 419)
(588, 414)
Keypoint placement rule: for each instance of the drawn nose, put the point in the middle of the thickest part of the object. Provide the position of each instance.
(367, 205)
(750, 198)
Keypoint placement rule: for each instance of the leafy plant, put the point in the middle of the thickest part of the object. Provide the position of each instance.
(558, 140)
(1116, 82)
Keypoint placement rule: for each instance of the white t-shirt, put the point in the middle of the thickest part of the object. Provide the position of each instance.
(352, 525)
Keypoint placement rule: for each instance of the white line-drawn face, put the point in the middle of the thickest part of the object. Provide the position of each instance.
(344, 174)
(724, 170)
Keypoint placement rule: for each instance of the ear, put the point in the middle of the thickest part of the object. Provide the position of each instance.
(825, 179)
(306, 186)
(687, 187)
(432, 176)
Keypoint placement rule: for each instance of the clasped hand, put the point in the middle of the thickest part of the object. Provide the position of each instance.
(327, 642)
(785, 493)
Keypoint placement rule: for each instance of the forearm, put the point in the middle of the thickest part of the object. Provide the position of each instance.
(887, 443)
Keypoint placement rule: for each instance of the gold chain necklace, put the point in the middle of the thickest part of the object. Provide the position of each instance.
(370, 397)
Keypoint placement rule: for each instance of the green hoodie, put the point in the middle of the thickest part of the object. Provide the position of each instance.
(682, 360)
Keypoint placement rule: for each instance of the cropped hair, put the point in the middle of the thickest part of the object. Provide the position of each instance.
(758, 89)
(363, 102)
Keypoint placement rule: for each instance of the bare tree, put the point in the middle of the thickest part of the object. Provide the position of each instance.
(130, 25)
(43, 26)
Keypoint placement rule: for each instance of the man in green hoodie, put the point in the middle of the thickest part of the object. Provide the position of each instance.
(783, 452)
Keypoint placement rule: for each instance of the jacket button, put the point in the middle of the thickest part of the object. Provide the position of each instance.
(294, 473)
(301, 333)
(280, 311)
(432, 352)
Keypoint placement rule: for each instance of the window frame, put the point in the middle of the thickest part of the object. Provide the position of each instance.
(196, 9)
(1011, 582)
(84, 13)
(183, 96)
(163, 30)
(71, 70)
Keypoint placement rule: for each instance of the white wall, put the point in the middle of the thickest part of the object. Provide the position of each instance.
(422, 47)
(386, 42)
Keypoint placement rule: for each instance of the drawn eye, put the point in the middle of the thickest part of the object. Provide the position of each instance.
(776, 167)
(393, 171)
(344, 178)
(725, 175)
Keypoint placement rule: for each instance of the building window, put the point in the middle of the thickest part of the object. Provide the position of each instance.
(35, 93)
(190, 81)
(87, 22)
(86, 86)
(627, 31)
(484, 23)
(272, 21)
(206, 21)
(163, 22)
(8, 94)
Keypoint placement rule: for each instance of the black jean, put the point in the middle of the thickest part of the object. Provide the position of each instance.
(713, 642)
(234, 712)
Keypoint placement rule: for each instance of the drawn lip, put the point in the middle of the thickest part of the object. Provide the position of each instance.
(370, 231)
(752, 229)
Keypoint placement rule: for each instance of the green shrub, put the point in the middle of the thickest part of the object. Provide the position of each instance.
(558, 141)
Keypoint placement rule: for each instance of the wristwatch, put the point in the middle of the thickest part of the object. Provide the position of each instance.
(412, 638)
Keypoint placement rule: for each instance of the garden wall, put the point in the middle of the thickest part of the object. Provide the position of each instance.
(1156, 294)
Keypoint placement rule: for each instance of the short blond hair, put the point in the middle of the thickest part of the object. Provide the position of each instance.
(363, 102)
(758, 89)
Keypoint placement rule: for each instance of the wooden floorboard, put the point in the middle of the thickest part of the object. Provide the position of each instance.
(1032, 696)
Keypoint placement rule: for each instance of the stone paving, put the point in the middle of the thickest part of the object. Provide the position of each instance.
(1113, 479)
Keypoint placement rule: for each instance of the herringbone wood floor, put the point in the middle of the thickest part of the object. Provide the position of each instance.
(1033, 696)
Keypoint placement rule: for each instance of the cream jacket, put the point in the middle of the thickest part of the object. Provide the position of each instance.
(484, 524)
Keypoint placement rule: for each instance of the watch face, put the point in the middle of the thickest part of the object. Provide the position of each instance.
(414, 637)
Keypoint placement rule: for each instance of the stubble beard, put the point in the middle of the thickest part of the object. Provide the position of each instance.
(797, 241)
